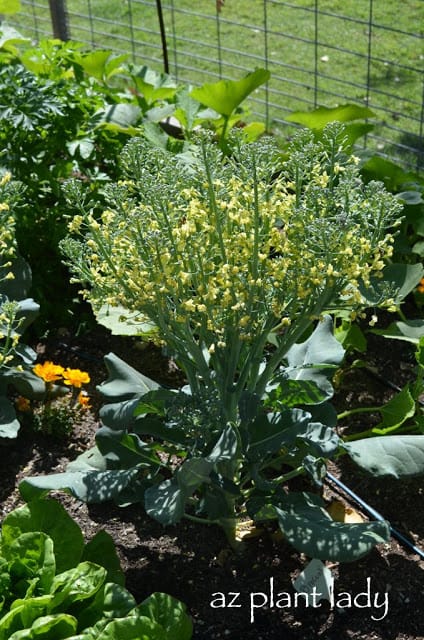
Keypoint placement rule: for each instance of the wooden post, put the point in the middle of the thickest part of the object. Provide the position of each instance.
(59, 19)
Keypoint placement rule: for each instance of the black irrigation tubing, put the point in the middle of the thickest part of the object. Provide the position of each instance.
(372, 512)
(388, 383)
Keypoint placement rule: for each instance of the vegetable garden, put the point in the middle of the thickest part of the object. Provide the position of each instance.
(207, 332)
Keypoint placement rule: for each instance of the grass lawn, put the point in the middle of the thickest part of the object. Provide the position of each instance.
(314, 59)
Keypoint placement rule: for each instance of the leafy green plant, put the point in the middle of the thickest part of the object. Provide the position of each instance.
(231, 263)
(16, 314)
(55, 586)
(67, 112)
(403, 413)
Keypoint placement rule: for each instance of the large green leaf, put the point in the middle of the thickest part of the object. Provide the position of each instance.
(90, 460)
(122, 322)
(169, 613)
(399, 278)
(396, 411)
(51, 627)
(408, 330)
(309, 528)
(166, 502)
(269, 432)
(124, 116)
(88, 486)
(318, 118)
(79, 583)
(23, 614)
(101, 550)
(50, 517)
(154, 86)
(389, 455)
(124, 381)
(124, 450)
(9, 424)
(226, 446)
(111, 601)
(225, 96)
(31, 557)
(132, 628)
(317, 358)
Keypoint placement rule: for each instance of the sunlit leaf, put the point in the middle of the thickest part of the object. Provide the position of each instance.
(225, 96)
(389, 455)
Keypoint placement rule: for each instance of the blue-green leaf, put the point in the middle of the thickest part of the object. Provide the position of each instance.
(408, 330)
(88, 486)
(309, 528)
(317, 358)
(396, 456)
(124, 381)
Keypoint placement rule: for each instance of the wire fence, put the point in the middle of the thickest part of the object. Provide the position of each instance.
(319, 53)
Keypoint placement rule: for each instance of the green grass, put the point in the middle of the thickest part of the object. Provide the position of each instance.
(303, 74)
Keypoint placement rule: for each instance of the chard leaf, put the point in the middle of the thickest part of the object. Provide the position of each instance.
(389, 455)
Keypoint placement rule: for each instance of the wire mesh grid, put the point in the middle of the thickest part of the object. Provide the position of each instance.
(319, 53)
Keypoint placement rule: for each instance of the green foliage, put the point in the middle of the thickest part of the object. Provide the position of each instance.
(16, 314)
(225, 256)
(221, 471)
(226, 96)
(347, 113)
(67, 112)
(54, 586)
(405, 409)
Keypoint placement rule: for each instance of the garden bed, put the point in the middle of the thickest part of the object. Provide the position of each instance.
(193, 562)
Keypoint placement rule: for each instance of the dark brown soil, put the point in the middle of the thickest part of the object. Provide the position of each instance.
(194, 563)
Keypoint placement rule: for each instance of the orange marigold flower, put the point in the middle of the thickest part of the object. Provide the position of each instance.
(49, 371)
(84, 400)
(75, 377)
(23, 404)
(420, 287)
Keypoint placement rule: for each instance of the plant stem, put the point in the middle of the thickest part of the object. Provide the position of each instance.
(352, 412)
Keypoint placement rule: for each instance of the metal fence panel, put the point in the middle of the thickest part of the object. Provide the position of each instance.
(319, 53)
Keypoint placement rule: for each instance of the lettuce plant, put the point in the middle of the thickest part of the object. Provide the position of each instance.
(232, 263)
(54, 586)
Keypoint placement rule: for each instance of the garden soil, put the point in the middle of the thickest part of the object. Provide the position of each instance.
(195, 564)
